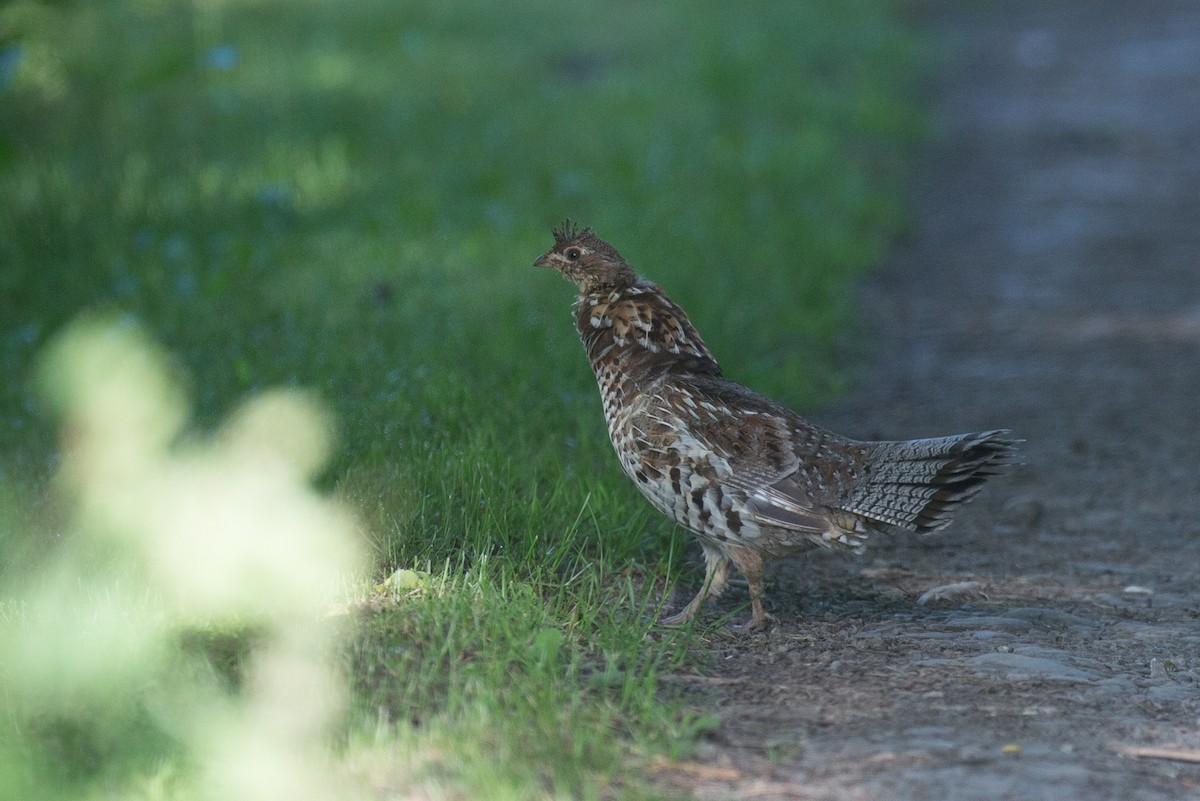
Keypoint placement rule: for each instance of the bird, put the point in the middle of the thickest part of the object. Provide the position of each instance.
(751, 479)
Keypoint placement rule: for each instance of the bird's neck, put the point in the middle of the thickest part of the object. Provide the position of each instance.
(637, 332)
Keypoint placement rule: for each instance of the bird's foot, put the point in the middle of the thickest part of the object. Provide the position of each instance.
(760, 620)
(679, 618)
(756, 624)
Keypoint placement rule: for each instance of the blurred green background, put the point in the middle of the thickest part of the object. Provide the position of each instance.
(347, 197)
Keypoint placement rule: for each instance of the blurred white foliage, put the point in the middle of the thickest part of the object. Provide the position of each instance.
(170, 530)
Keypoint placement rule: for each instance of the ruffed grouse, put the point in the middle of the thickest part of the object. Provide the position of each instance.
(750, 478)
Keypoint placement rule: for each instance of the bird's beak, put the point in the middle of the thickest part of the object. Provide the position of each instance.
(542, 260)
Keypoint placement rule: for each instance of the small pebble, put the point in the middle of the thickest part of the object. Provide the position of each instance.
(951, 593)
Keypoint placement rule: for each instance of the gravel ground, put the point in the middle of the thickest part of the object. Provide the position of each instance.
(1052, 286)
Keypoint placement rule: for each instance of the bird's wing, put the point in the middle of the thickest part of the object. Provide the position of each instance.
(789, 470)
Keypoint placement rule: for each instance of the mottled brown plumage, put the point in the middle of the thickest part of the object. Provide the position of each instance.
(750, 478)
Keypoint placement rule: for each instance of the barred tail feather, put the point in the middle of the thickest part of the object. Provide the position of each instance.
(919, 484)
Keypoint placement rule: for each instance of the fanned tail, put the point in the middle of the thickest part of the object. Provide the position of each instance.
(919, 484)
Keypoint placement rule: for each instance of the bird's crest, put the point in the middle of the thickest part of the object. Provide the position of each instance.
(568, 231)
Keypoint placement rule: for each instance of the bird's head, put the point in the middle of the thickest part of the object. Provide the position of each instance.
(586, 259)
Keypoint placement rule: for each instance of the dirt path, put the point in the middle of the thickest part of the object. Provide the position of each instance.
(1052, 286)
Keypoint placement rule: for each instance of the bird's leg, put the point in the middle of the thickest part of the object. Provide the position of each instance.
(716, 574)
(749, 563)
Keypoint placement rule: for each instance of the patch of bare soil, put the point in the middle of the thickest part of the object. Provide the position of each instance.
(1052, 286)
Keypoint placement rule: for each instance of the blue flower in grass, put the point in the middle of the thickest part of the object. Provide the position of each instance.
(10, 60)
(222, 57)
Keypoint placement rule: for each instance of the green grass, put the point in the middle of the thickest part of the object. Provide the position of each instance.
(347, 197)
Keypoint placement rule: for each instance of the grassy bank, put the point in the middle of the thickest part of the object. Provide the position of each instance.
(347, 198)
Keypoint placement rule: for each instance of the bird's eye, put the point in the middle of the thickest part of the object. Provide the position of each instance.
(573, 254)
